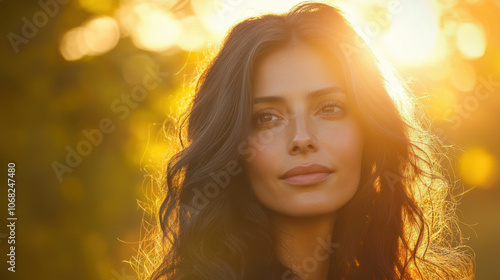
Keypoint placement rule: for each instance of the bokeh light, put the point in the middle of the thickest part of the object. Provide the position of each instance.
(73, 44)
(448, 51)
(194, 37)
(97, 36)
(476, 166)
(471, 40)
(101, 35)
(442, 99)
(413, 34)
(155, 29)
(219, 15)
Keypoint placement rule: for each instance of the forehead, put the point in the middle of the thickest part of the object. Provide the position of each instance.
(296, 70)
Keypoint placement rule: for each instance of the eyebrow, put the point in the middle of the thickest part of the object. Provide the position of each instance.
(310, 95)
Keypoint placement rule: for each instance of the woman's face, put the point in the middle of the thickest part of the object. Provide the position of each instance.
(306, 143)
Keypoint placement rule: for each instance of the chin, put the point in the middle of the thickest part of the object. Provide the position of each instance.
(309, 205)
(309, 210)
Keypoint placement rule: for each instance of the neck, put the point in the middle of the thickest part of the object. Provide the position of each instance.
(305, 245)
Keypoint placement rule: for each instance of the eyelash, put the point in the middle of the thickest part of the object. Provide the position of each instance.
(334, 104)
(269, 112)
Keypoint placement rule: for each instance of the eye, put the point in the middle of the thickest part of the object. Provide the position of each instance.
(264, 118)
(332, 108)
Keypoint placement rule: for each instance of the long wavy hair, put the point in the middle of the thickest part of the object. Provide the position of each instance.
(208, 224)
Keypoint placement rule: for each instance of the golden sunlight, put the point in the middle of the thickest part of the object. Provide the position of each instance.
(442, 99)
(463, 75)
(72, 45)
(97, 36)
(96, 6)
(155, 29)
(476, 166)
(219, 15)
(194, 36)
(471, 40)
(101, 35)
(413, 34)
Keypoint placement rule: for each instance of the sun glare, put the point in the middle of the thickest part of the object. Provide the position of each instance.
(413, 34)
(155, 29)
(219, 15)
(405, 32)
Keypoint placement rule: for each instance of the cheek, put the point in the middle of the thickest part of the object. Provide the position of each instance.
(262, 167)
(346, 144)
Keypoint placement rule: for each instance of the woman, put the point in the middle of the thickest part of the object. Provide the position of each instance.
(304, 162)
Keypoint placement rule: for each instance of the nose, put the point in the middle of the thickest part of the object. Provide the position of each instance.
(303, 138)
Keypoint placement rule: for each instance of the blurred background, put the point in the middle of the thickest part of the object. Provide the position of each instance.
(86, 86)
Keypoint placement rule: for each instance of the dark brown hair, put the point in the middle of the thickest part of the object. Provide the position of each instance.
(399, 225)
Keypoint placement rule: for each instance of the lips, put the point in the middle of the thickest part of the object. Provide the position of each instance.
(307, 175)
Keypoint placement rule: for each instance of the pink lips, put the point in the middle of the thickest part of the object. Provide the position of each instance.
(307, 175)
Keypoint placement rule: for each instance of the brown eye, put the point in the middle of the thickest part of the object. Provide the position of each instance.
(330, 109)
(333, 109)
(264, 118)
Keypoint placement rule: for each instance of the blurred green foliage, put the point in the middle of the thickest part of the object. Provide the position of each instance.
(85, 225)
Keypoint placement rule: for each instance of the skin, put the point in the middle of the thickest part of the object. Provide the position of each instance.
(300, 129)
